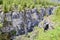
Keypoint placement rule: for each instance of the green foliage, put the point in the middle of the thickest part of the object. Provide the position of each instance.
(1, 1)
(5, 6)
(22, 4)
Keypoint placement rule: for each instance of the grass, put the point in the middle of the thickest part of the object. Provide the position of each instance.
(8, 5)
(49, 35)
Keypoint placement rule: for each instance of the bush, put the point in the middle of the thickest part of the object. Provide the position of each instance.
(1, 1)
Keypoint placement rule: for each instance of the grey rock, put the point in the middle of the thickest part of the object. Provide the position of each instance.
(9, 16)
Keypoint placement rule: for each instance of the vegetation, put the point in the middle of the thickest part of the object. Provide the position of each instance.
(9, 5)
(1, 1)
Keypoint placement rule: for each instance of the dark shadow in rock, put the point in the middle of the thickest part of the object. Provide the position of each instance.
(30, 29)
(46, 27)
